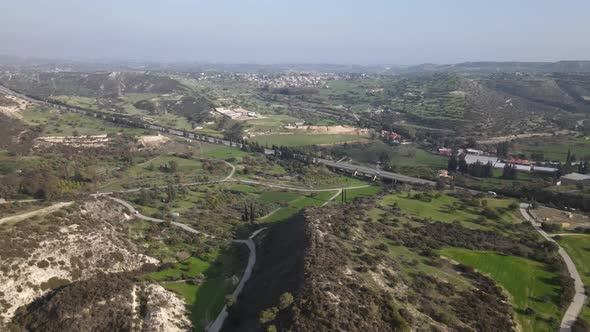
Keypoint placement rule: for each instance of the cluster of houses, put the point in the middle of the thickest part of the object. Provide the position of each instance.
(523, 165)
(472, 156)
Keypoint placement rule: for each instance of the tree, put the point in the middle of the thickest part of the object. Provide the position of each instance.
(509, 172)
(502, 149)
(229, 300)
(463, 168)
(245, 216)
(452, 164)
(252, 216)
(171, 192)
(440, 184)
(173, 166)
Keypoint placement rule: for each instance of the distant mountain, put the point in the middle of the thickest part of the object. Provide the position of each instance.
(511, 67)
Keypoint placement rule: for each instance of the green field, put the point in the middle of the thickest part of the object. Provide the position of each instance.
(528, 283)
(142, 176)
(204, 298)
(297, 204)
(186, 269)
(224, 153)
(446, 208)
(272, 123)
(578, 247)
(402, 155)
(204, 301)
(244, 188)
(66, 123)
(304, 139)
(351, 194)
(554, 147)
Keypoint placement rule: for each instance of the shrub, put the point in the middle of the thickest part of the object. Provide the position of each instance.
(490, 213)
(285, 300)
(268, 315)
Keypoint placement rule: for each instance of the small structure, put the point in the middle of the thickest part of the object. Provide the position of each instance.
(575, 178)
(444, 174)
(389, 134)
(445, 151)
(474, 152)
(175, 214)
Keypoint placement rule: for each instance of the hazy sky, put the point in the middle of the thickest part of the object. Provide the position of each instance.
(280, 31)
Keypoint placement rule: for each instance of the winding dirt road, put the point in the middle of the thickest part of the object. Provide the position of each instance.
(577, 304)
(43, 211)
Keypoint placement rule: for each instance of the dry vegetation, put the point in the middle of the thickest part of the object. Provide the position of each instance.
(75, 247)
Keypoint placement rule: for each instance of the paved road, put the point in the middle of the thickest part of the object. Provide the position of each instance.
(253, 182)
(43, 211)
(579, 299)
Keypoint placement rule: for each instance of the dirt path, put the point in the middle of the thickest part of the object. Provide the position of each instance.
(339, 192)
(498, 139)
(569, 234)
(218, 323)
(577, 304)
(43, 211)
(137, 214)
(233, 170)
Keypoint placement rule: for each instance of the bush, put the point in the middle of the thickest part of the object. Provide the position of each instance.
(581, 325)
(268, 315)
(285, 300)
(490, 213)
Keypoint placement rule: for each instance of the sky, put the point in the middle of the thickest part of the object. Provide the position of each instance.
(396, 32)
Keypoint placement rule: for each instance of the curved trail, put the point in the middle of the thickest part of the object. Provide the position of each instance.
(577, 304)
(249, 242)
(42, 211)
(218, 323)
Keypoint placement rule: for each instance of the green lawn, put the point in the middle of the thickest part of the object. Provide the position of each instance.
(304, 139)
(528, 283)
